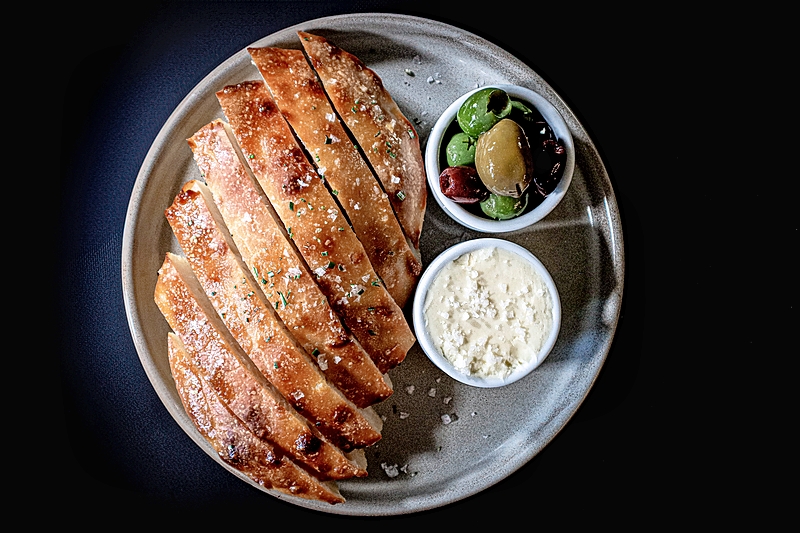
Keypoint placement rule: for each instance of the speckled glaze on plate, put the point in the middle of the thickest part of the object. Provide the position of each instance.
(443, 441)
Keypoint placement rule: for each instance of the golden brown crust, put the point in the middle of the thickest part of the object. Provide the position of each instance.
(330, 248)
(388, 139)
(302, 100)
(222, 364)
(234, 443)
(255, 326)
(270, 256)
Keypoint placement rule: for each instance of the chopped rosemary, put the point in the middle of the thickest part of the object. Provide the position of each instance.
(283, 299)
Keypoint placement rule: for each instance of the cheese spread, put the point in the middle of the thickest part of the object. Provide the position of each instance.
(488, 312)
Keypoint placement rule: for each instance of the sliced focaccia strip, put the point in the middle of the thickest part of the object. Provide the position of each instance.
(311, 216)
(222, 364)
(233, 292)
(279, 269)
(234, 443)
(388, 139)
(300, 97)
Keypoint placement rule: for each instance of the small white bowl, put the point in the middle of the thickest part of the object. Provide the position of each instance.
(487, 225)
(423, 334)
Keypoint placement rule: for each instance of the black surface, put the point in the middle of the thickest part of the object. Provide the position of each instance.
(630, 81)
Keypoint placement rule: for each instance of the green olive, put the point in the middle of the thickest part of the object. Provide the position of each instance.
(503, 207)
(482, 110)
(460, 150)
(503, 159)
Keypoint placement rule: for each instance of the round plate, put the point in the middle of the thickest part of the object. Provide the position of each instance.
(442, 441)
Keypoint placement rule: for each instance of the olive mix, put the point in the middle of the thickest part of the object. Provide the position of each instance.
(501, 156)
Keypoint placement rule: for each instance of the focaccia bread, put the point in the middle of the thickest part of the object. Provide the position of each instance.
(234, 443)
(221, 363)
(313, 220)
(388, 139)
(252, 321)
(278, 268)
(302, 100)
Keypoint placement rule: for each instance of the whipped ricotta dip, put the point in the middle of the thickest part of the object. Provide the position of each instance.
(488, 312)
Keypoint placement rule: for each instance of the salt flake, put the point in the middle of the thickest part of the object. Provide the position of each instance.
(391, 470)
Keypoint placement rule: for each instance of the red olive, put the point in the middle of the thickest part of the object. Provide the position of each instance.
(463, 185)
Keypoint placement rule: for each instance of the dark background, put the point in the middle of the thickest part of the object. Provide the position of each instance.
(665, 431)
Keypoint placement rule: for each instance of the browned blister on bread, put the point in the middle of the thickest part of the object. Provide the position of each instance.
(252, 321)
(388, 139)
(233, 441)
(278, 269)
(313, 220)
(302, 100)
(224, 366)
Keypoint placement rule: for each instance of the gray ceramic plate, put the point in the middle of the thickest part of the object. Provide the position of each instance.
(443, 441)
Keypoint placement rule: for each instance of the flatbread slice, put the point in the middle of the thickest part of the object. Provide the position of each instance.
(314, 222)
(252, 321)
(388, 139)
(278, 267)
(303, 102)
(234, 443)
(222, 364)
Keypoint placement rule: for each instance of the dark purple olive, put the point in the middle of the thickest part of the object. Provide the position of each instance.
(538, 132)
(548, 166)
(462, 185)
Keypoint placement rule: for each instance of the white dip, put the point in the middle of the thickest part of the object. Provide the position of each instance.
(488, 312)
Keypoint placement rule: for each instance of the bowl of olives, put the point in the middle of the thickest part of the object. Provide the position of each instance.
(499, 159)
